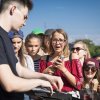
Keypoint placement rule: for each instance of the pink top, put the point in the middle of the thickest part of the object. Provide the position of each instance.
(75, 69)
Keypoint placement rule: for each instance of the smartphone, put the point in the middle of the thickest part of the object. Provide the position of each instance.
(62, 57)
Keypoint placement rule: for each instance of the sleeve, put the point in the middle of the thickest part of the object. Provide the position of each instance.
(3, 58)
(76, 70)
(42, 66)
(29, 62)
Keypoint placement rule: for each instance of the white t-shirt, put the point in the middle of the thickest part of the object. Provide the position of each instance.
(29, 62)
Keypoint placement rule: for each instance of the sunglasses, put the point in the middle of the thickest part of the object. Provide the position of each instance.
(93, 69)
(77, 49)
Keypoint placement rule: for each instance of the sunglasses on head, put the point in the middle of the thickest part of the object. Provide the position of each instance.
(77, 49)
(88, 67)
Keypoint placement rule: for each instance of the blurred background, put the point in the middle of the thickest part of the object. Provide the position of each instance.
(79, 18)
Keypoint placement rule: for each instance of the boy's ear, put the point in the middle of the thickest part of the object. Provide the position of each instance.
(12, 9)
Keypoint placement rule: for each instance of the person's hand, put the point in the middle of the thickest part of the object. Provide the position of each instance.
(94, 84)
(47, 85)
(55, 81)
(49, 70)
(59, 64)
(74, 56)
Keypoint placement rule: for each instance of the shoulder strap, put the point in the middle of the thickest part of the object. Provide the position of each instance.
(47, 59)
(70, 59)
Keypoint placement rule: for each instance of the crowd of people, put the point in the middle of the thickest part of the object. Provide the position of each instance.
(44, 59)
(72, 65)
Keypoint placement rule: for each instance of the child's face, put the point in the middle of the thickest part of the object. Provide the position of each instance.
(33, 46)
(17, 44)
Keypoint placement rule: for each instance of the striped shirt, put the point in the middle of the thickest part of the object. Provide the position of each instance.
(36, 65)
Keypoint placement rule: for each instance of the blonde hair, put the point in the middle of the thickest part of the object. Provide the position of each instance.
(66, 48)
(85, 47)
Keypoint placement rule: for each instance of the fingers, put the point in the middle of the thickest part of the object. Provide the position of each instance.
(48, 87)
(50, 72)
(55, 85)
(60, 83)
(95, 81)
(51, 90)
(58, 62)
(56, 82)
(75, 56)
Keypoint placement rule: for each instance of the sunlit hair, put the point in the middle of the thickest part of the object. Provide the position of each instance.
(85, 47)
(21, 55)
(4, 4)
(31, 36)
(66, 48)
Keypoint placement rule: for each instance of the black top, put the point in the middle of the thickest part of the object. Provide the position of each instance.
(7, 56)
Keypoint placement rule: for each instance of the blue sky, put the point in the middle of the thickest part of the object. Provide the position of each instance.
(79, 18)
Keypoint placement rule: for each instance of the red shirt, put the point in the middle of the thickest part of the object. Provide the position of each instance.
(74, 67)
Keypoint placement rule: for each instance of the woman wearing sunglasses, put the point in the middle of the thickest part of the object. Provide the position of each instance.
(91, 80)
(80, 50)
(90, 73)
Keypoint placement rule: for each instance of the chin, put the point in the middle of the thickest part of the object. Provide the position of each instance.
(90, 77)
(33, 54)
(15, 29)
(58, 51)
